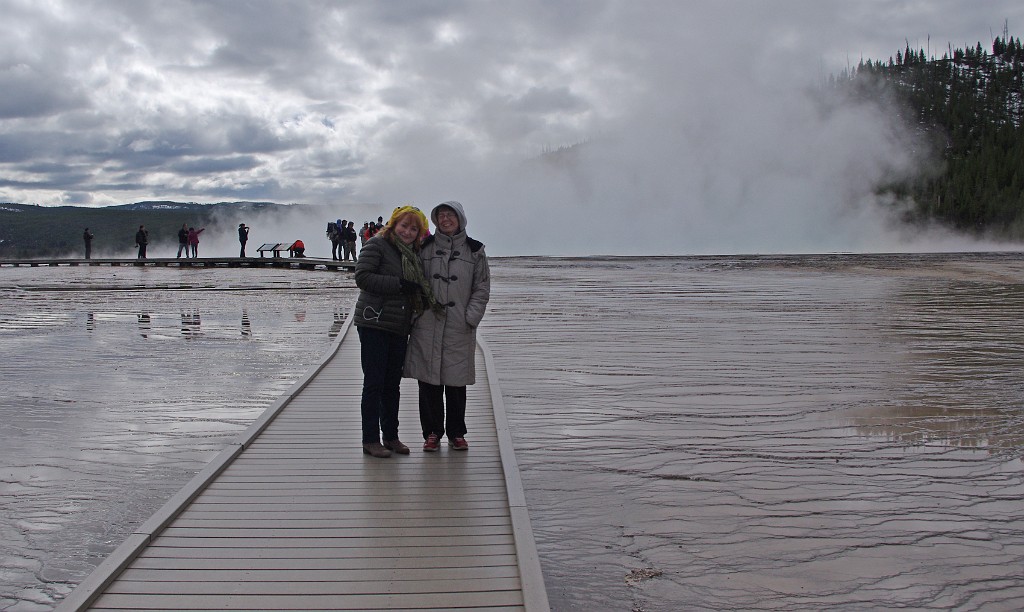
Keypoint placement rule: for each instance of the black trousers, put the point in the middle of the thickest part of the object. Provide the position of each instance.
(382, 355)
(432, 410)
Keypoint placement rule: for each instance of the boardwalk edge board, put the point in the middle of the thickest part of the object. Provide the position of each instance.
(535, 595)
(92, 587)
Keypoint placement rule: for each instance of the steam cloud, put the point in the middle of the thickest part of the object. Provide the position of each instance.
(706, 143)
(731, 157)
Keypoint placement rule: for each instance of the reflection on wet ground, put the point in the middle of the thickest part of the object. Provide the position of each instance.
(191, 323)
(781, 432)
(790, 433)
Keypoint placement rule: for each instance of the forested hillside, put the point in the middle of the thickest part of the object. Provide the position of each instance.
(968, 104)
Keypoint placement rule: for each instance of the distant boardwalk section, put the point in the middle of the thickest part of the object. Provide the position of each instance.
(293, 516)
(304, 263)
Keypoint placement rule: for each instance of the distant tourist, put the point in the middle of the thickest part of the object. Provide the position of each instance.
(342, 227)
(443, 344)
(297, 249)
(334, 235)
(391, 288)
(183, 239)
(87, 236)
(193, 240)
(141, 240)
(243, 237)
(348, 237)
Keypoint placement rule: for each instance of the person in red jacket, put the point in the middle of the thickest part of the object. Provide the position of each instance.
(193, 240)
(298, 249)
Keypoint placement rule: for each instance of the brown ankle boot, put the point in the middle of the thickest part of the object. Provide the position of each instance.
(396, 446)
(376, 449)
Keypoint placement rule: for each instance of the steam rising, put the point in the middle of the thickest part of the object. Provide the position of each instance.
(762, 167)
(705, 144)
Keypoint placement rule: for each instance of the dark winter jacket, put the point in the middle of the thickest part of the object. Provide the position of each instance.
(381, 303)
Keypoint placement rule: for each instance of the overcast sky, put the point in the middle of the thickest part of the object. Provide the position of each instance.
(700, 133)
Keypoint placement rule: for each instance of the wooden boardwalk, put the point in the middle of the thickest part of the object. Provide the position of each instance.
(303, 263)
(293, 516)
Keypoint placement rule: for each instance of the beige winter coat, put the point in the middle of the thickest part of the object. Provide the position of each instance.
(442, 347)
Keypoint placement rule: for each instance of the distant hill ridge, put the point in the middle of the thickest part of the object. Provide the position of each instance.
(155, 205)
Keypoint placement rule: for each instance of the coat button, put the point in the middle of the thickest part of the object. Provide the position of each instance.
(453, 277)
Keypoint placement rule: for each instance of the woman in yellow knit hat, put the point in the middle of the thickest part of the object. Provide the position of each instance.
(389, 275)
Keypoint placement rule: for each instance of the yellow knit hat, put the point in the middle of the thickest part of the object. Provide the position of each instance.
(401, 210)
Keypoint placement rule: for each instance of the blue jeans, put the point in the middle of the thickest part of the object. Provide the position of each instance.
(382, 355)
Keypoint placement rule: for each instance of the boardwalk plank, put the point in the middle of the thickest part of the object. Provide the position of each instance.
(448, 584)
(246, 499)
(442, 542)
(432, 562)
(448, 490)
(370, 553)
(143, 575)
(419, 601)
(300, 515)
(258, 532)
(394, 521)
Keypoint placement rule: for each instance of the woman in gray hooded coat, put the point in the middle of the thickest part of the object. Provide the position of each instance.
(442, 347)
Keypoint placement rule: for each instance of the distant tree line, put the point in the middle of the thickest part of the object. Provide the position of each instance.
(969, 108)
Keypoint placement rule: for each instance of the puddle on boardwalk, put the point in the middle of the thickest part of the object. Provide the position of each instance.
(796, 433)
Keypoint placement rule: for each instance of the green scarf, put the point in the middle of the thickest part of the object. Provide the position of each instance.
(412, 270)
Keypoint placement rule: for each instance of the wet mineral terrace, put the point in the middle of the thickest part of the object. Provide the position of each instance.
(788, 433)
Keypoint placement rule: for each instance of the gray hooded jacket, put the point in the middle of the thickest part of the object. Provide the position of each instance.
(442, 348)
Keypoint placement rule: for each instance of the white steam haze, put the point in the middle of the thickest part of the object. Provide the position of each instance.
(697, 123)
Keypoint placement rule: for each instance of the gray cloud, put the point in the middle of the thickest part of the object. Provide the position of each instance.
(205, 165)
(30, 92)
(696, 117)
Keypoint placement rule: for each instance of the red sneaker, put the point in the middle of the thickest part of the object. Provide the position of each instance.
(458, 443)
(431, 445)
